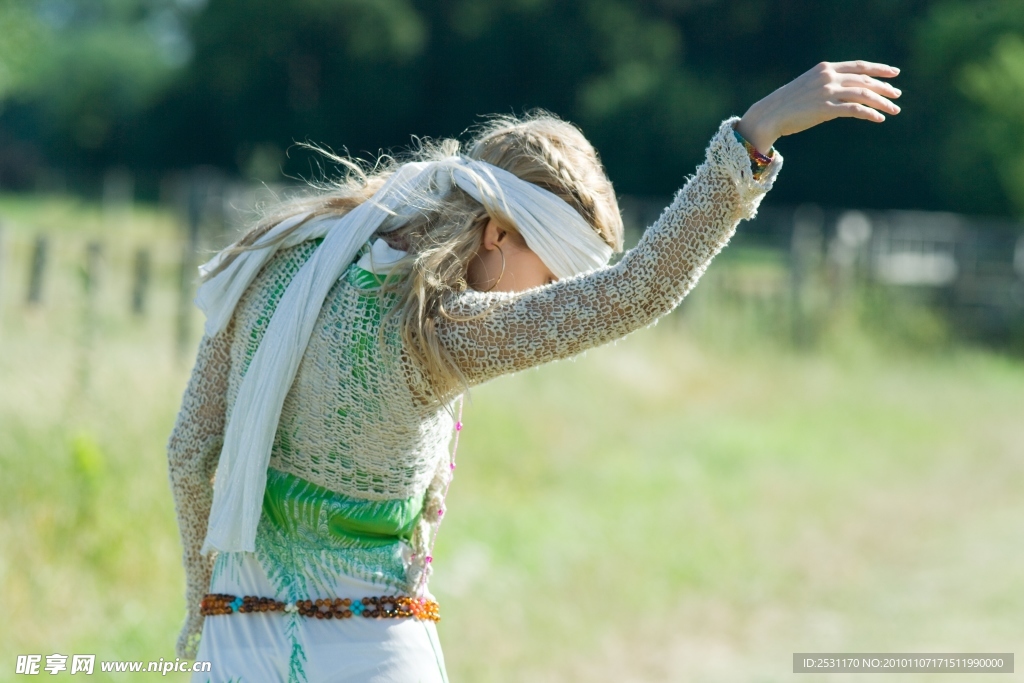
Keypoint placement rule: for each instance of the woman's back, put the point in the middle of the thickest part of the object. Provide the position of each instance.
(350, 422)
(352, 462)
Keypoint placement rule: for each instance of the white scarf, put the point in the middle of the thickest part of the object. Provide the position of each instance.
(562, 239)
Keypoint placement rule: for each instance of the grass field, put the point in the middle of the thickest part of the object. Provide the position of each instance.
(695, 503)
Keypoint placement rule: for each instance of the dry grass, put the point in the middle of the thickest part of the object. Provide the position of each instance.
(694, 503)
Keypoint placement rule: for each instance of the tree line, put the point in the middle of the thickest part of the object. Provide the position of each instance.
(162, 85)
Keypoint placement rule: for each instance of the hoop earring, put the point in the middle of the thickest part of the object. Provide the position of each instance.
(502, 270)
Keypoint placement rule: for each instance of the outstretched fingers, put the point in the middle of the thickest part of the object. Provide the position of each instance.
(880, 87)
(855, 110)
(865, 96)
(827, 91)
(860, 66)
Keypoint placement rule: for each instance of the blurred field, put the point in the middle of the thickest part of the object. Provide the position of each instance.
(695, 503)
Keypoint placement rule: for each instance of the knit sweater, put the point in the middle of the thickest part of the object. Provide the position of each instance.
(358, 420)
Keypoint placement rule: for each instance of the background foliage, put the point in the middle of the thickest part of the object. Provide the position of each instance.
(793, 461)
(157, 85)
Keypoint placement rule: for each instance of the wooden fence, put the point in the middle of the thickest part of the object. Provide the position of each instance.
(968, 270)
(784, 270)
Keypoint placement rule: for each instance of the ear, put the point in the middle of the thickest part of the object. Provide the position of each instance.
(494, 235)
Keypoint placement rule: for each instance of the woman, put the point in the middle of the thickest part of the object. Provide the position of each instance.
(342, 331)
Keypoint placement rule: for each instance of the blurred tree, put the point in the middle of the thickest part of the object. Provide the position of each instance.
(163, 84)
(647, 110)
(24, 42)
(367, 75)
(971, 54)
(93, 67)
(268, 72)
(981, 45)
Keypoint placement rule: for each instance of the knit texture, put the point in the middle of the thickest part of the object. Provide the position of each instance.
(356, 420)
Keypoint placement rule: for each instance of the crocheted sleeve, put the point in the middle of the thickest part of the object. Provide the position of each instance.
(525, 329)
(192, 451)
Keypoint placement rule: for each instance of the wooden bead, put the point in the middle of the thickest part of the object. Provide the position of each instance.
(370, 607)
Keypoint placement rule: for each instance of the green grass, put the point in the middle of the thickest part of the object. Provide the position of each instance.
(661, 511)
(695, 503)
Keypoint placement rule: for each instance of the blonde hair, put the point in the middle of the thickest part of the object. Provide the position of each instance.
(445, 236)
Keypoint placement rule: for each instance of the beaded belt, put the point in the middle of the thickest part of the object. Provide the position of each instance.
(387, 606)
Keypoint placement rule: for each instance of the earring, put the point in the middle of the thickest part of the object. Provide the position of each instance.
(502, 269)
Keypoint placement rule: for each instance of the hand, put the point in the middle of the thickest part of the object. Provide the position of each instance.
(828, 91)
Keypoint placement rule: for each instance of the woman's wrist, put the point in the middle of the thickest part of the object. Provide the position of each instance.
(754, 129)
(759, 161)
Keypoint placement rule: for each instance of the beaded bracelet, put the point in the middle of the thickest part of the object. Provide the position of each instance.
(387, 606)
(759, 161)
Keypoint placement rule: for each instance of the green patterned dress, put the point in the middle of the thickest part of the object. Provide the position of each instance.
(312, 542)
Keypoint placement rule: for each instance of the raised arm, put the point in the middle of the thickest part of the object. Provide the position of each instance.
(192, 452)
(525, 329)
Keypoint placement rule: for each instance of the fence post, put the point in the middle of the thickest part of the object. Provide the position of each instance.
(2, 256)
(194, 209)
(90, 275)
(805, 257)
(1018, 257)
(184, 314)
(37, 270)
(853, 230)
(140, 281)
(118, 193)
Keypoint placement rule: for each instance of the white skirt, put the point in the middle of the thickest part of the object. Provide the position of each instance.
(267, 647)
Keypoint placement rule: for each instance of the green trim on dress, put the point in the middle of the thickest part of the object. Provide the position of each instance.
(308, 534)
(312, 513)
